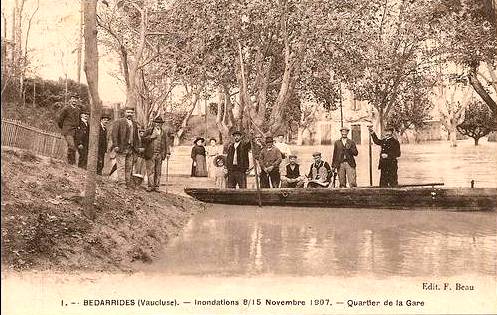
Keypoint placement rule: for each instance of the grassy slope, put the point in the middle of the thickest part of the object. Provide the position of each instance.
(43, 228)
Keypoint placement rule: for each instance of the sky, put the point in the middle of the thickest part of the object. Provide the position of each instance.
(53, 41)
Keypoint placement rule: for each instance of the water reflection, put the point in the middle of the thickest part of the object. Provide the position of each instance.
(229, 240)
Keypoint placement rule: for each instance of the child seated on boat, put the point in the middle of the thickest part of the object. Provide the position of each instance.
(220, 171)
(292, 177)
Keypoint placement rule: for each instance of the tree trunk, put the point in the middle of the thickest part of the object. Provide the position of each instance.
(478, 87)
(184, 123)
(453, 136)
(224, 117)
(91, 70)
(476, 141)
(80, 43)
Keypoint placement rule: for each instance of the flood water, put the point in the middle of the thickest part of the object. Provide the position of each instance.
(247, 241)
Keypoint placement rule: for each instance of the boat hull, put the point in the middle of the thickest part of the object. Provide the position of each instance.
(406, 198)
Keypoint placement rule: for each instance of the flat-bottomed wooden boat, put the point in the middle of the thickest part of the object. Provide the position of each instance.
(401, 198)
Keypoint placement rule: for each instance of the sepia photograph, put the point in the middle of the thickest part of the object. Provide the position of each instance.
(248, 157)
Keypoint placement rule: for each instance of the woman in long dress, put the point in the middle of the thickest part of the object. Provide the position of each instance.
(213, 150)
(199, 165)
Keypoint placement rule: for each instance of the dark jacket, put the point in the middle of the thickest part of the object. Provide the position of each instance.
(68, 120)
(120, 135)
(102, 141)
(242, 156)
(344, 153)
(390, 146)
(321, 171)
(295, 173)
(148, 144)
(82, 135)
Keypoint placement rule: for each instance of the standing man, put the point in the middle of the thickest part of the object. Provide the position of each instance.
(390, 151)
(102, 142)
(124, 140)
(270, 160)
(156, 150)
(237, 161)
(343, 159)
(82, 139)
(68, 120)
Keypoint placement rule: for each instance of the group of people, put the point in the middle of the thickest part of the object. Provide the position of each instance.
(278, 167)
(137, 151)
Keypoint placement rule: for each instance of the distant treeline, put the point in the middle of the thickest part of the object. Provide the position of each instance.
(40, 101)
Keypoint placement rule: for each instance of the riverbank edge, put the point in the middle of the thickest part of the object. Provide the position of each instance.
(43, 227)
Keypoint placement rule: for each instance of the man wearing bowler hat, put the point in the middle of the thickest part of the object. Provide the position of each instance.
(343, 161)
(156, 151)
(237, 161)
(82, 139)
(390, 151)
(102, 142)
(270, 159)
(124, 143)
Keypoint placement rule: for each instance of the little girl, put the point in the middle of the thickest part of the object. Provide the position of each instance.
(220, 171)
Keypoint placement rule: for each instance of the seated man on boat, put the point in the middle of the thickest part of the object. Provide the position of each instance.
(292, 177)
(320, 173)
(269, 161)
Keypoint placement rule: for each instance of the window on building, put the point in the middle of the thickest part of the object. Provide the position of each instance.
(356, 105)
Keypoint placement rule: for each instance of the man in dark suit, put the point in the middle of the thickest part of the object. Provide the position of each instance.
(237, 161)
(343, 159)
(82, 139)
(156, 150)
(390, 151)
(102, 142)
(124, 142)
(68, 121)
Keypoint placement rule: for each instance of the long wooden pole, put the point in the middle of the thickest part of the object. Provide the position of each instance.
(370, 162)
(244, 99)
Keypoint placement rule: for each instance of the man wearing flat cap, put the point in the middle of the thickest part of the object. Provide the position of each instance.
(390, 151)
(319, 173)
(156, 150)
(269, 160)
(292, 177)
(237, 161)
(344, 151)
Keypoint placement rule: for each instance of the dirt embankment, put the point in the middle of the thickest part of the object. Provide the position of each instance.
(43, 226)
